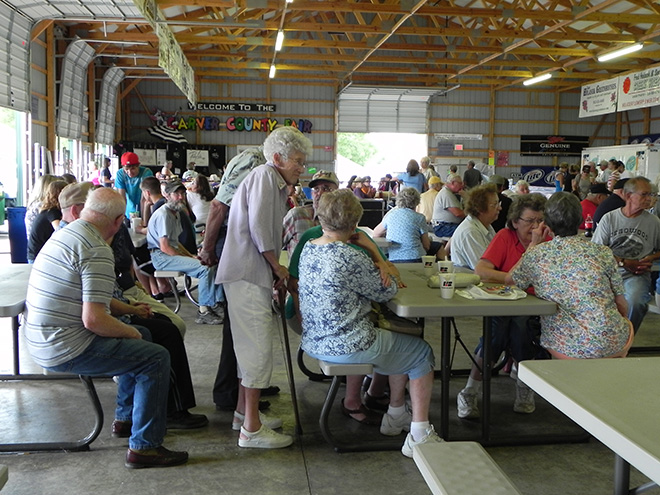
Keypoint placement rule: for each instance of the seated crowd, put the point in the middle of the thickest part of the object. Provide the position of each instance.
(98, 316)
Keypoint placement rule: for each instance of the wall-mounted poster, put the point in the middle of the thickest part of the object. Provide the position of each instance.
(200, 157)
(599, 98)
(147, 156)
(639, 90)
(553, 145)
(161, 156)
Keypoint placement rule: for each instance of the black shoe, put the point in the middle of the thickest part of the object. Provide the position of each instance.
(168, 294)
(159, 457)
(263, 405)
(158, 297)
(183, 420)
(272, 390)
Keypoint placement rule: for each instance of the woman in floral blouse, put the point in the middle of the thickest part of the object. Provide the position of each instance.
(583, 279)
(336, 286)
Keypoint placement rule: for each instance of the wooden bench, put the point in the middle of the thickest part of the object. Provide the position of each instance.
(337, 371)
(461, 468)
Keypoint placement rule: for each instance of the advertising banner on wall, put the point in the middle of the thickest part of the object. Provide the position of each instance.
(552, 145)
(539, 176)
(639, 90)
(599, 98)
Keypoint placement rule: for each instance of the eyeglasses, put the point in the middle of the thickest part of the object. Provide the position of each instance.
(323, 188)
(495, 205)
(644, 194)
(531, 221)
(300, 162)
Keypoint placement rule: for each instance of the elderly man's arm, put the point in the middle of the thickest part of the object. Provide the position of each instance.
(217, 214)
(166, 247)
(97, 320)
(280, 271)
(457, 212)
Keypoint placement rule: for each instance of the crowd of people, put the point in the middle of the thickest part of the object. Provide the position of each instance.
(103, 312)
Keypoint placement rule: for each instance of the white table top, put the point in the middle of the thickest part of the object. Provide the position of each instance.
(418, 300)
(138, 239)
(13, 288)
(616, 400)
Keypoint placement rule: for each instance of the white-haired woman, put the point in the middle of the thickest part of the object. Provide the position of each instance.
(249, 268)
(337, 284)
(406, 229)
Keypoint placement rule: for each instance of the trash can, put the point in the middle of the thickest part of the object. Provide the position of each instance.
(17, 234)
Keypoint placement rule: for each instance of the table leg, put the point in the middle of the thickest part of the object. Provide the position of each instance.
(621, 476)
(486, 375)
(14, 336)
(445, 363)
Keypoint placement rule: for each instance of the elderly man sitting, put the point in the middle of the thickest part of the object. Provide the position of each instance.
(447, 210)
(168, 254)
(69, 329)
(427, 199)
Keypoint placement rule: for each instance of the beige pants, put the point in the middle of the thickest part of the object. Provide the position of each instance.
(136, 295)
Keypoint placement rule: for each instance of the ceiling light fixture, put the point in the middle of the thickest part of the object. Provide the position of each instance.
(279, 41)
(271, 74)
(534, 80)
(621, 52)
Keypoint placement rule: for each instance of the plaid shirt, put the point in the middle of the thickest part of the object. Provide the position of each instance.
(296, 222)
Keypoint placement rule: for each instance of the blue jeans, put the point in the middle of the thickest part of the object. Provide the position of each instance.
(445, 229)
(209, 293)
(144, 372)
(511, 332)
(637, 291)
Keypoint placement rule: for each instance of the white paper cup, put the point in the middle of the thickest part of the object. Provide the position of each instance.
(445, 266)
(428, 261)
(135, 223)
(446, 285)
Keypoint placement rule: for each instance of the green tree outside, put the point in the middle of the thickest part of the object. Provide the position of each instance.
(355, 147)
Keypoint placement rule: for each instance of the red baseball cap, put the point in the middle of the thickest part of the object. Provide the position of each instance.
(129, 158)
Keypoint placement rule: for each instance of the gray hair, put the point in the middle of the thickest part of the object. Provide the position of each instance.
(563, 214)
(632, 185)
(408, 198)
(339, 211)
(522, 202)
(284, 141)
(522, 182)
(105, 201)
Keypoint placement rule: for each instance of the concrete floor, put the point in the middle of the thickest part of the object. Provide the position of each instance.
(58, 410)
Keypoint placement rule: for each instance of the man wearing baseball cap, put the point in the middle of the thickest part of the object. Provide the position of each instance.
(598, 192)
(301, 218)
(127, 181)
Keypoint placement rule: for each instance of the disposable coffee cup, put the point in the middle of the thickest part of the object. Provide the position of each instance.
(446, 285)
(135, 223)
(445, 266)
(428, 261)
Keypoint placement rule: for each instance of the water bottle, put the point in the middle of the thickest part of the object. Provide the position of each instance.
(588, 226)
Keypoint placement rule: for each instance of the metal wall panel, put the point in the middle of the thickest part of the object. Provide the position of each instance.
(105, 127)
(73, 84)
(14, 60)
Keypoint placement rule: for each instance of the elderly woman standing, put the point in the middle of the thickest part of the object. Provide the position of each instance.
(405, 229)
(249, 267)
(524, 228)
(590, 321)
(475, 232)
(337, 284)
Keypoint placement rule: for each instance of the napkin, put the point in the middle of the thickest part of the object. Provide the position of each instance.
(496, 293)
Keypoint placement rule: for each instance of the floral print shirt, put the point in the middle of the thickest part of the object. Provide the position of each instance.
(583, 279)
(336, 286)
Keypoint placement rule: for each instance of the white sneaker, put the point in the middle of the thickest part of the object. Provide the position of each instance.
(431, 437)
(514, 371)
(271, 423)
(524, 399)
(467, 403)
(208, 318)
(264, 438)
(391, 426)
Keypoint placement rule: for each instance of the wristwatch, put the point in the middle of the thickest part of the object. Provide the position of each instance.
(621, 262)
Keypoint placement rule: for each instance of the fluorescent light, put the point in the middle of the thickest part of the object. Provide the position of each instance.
(289, 1)
(279, 40)
(271, 74)
(537, 79)
(621, 52)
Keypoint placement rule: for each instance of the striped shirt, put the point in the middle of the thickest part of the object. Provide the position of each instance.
(76, 265)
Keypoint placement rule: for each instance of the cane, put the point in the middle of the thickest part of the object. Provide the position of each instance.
(281, 295)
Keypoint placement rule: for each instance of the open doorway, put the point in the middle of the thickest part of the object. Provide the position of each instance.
(377, 153)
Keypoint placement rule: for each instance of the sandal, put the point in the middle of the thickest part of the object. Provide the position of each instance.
(370, 417)
(377, 403)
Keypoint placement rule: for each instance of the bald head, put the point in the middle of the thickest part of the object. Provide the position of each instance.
(104, 209)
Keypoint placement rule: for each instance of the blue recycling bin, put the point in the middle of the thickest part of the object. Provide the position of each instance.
(17, 234)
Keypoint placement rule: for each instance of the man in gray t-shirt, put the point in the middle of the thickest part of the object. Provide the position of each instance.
(447, 210)
(633, 234)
